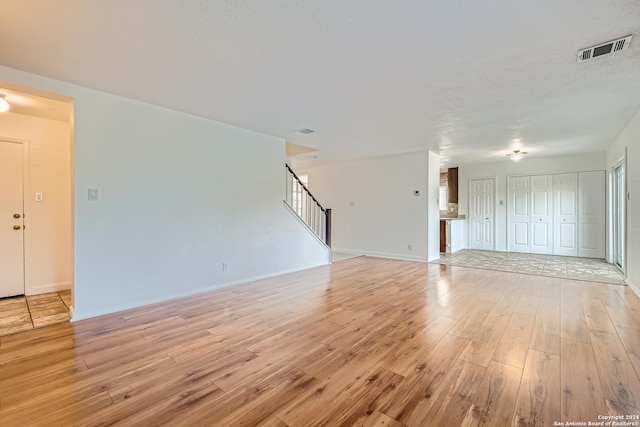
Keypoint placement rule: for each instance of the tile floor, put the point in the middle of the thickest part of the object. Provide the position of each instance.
(22, 313)
(588, 269)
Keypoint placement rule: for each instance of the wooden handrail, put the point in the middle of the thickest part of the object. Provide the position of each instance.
(317, 218)
(303, 186)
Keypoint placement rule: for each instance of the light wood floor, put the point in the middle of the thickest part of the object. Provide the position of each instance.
(366, 341)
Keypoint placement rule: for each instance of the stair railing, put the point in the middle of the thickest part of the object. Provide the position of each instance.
(302, 202)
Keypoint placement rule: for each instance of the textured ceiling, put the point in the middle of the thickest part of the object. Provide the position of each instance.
(467, 79)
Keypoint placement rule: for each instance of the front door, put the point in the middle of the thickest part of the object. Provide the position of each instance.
(11, 220)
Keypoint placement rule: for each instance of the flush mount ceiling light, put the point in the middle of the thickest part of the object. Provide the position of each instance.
(4, 105)
(516, 155)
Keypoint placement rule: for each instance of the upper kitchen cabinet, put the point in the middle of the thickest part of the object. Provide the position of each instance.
(452, 185)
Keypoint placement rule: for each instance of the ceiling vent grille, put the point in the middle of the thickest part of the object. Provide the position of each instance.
(304, 131)
(604, 49)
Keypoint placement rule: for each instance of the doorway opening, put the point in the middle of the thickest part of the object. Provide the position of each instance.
(36, 208)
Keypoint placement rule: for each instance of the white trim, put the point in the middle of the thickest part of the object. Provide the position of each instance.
(384, 255)
(50, 287)
(115, 309)
(633, 287)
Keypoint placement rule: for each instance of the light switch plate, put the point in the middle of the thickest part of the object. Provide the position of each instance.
(94, 194)
(38, 197)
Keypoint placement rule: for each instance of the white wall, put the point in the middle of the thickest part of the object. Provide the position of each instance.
(179, 195)
(500, 171)
(433, 208)
(374, 209)
(48, 223)
(630, 139)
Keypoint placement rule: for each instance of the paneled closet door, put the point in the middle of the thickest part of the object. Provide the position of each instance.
(565, 193)
(519, 214)
(481, 214)
(591, 214)
(541, 214)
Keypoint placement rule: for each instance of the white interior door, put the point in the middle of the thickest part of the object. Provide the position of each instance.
(11, 220)
(488, 216)
(519, 214)
(482, 214)
(541, 214)
(565, 193)
(591, 214)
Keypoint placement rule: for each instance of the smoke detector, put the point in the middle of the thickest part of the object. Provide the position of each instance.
(604, 49)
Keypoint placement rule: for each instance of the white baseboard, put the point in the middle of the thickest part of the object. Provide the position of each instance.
(46, 288)
(633, 287)
(381, 254)
(111, 310)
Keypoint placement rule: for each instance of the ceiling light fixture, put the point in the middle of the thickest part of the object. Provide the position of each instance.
(516, 155)
(4, 105)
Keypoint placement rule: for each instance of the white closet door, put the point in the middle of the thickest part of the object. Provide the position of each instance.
(541, 214)
(565, 191)
(519, 214)
(591, 214)
(481, 214)
(488, 214)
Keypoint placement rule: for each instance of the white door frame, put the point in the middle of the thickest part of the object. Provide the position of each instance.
(612, 198)
(495, 209)
(26, 245)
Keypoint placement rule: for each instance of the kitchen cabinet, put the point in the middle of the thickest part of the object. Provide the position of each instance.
(452, 185)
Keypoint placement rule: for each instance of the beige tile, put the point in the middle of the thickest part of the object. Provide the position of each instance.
(51, 319)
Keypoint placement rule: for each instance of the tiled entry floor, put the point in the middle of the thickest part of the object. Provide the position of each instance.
(588, 269)
(23, 313)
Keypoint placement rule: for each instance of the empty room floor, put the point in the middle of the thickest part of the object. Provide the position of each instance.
(586, 269)
(22, 313)
(365, 341)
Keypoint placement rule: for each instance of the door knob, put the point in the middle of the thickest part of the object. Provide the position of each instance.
(16, 227)
(16, 216)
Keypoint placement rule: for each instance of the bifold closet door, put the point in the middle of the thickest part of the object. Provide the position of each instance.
(565, 192)
(591, 214)
(541, 214)
(519, 214)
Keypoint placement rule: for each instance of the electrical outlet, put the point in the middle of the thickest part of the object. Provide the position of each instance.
(410, 247)
(225, 266)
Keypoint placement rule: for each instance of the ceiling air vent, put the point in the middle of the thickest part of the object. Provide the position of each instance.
(304, 131)
(604, 48)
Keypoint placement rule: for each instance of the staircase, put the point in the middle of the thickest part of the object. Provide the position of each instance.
(307, 207)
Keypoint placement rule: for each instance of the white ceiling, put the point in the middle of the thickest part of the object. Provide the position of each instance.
(467, 79)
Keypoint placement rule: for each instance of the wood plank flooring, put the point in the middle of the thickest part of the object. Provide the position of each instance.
(363, 342)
